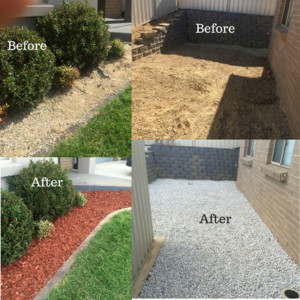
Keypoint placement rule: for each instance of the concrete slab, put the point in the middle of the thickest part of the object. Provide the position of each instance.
(113, 175)
(119, 29)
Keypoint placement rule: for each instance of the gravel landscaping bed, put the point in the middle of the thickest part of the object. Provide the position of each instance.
(241, 259)
(34, 131)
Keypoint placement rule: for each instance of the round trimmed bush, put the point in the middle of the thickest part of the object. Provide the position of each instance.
(117, 48)
(45, 203)
(25, 76)
(65, 77)
(80, 199)
(76, 34)
(44, 229)
(16, 227)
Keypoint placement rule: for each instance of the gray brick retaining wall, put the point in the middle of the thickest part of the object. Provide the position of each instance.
(250, 30)
(179, 162)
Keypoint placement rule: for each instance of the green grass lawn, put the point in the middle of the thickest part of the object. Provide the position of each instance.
(107, 134)
(103, 269)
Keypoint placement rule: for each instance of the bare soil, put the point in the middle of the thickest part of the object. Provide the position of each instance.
(24, 278)
(37, 130)
(206, 91)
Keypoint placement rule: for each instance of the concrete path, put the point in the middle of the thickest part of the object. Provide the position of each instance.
(113, 175)
(119, 29)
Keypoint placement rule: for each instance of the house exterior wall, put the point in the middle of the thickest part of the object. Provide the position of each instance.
(277, 203)
(113, 9)
(14, 166)
(144, 11)
(255, 7)
(142, 230)
(284, 57)
(66, 163)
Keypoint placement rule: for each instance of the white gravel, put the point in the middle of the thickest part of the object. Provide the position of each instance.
(237, 260)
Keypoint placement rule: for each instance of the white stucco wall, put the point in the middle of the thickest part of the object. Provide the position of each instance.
(14, 165)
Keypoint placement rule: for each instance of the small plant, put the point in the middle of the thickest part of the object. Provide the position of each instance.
(3, 112)
(116, 49)
(46, 202)
(25, 76)
(76, 34)
(80, 199)
(65, 77)
(44, 229)
(16, 227)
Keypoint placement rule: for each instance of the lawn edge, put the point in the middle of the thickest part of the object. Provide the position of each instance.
(63, 270)
(73, 129)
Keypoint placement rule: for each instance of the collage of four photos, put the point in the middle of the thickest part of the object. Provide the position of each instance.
(150, 149)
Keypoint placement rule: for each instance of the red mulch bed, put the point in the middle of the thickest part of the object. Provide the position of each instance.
(24, 278)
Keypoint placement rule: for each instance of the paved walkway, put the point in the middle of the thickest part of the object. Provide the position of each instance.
(241, 259)
(119, 29)
(107, 176)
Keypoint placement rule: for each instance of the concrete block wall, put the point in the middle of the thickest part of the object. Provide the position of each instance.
(151, 169)
(277, 203)
(179, 162)
(162, 38)
(250, 30)
(284, 57)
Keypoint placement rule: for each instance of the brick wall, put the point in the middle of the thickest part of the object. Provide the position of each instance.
(151, 169)
(162, 37)
(66, 163)
(113, 9)
(181, 162)
(284, 57)
(250, 30)
(277, 203)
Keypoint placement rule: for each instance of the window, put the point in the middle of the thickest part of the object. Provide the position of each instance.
(283, 151)
(287, 13)
(250, 148)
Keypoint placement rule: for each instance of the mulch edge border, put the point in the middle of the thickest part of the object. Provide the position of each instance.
(61, 273)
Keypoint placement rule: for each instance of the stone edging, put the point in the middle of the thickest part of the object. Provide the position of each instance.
(61, 273)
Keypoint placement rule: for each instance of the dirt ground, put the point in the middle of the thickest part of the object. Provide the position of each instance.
(206, 91)
(37, 130)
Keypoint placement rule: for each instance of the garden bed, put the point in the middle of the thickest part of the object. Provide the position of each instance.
(206, 91)
(24, 278)
(37, 130)
(238, 259)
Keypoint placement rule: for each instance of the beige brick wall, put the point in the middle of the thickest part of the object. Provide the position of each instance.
(113, 9)
(66, 163)
(277, 203)
(284, 57)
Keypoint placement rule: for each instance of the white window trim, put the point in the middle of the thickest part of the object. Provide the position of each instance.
(289, 13)
(281, 157)
(251, 150)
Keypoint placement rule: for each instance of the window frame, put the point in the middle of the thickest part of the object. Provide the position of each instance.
(289, 14)
(251, 149)
(281, 156)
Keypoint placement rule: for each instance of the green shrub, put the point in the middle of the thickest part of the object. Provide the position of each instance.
(16, 227)
(44, 229)
(80, 199)
(46, 203)
(25, 76)
(76, 34)
(117, 48)
(65, 76)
